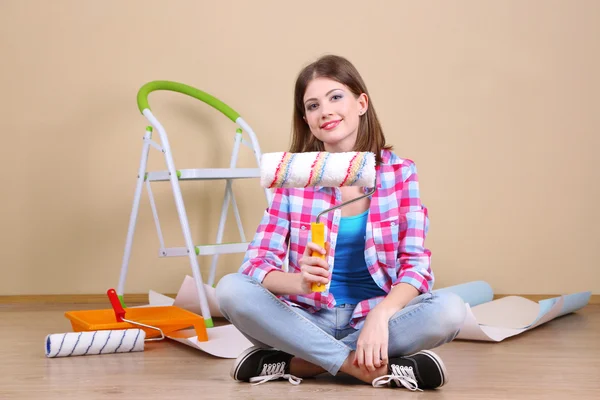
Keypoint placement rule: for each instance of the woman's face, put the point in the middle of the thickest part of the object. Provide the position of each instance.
(332, 113)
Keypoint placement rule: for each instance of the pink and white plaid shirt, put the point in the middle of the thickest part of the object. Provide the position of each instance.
(394, 244)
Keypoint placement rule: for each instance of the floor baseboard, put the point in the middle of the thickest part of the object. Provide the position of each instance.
(142, 298)
(134, 298)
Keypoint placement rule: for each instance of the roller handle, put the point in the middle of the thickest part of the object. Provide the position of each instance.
(318, 238)
(116, 304)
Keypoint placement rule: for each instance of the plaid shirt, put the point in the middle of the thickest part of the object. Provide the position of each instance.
(394, 247)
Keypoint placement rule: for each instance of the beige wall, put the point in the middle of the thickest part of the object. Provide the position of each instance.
(496, 102)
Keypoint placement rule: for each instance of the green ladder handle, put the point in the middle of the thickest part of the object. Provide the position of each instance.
(142, 97)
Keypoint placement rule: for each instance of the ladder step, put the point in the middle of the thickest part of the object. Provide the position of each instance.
(206, 174)
(205, 250)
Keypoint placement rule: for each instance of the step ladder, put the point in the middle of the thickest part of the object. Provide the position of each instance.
(174, 176)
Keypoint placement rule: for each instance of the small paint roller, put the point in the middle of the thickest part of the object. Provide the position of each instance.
(325, 169)
(102, 341)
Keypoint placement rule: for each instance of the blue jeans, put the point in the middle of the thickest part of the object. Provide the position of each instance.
(325, 338)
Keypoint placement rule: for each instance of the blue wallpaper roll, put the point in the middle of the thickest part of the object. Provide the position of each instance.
(474, 293)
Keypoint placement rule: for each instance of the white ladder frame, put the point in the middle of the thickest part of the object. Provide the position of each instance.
(173, 176)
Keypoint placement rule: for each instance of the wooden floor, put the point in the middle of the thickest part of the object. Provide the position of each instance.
(559, 360)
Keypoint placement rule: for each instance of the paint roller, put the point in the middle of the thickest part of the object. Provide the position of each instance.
(101, 341)
(325, 169)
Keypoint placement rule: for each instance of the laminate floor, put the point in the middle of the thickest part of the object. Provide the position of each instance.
(558, 360)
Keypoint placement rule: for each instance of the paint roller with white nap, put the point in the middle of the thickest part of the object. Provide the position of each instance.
(295, 170)
(94, 342)
(324, 169)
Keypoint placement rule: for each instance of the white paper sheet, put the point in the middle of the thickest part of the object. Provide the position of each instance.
(224, 341)
(495, 320)
(187, 298)
(156, 299)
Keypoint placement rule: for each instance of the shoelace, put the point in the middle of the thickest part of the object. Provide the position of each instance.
(401, 375)
(274, 371)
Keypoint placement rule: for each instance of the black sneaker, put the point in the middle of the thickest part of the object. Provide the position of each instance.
(422, 370)
(259, 365)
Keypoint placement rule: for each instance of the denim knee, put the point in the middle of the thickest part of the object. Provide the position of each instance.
(232, 293)
(451, 313)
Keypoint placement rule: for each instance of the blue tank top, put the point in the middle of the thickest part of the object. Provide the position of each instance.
(351, 281)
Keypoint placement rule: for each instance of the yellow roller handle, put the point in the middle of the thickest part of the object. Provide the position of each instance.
(318, 237)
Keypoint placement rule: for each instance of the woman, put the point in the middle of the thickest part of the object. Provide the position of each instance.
(378, 317)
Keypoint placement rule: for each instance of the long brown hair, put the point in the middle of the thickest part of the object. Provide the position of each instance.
(370, 134)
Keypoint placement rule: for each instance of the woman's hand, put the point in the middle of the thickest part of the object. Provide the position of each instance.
(313, 269)
(372, 345)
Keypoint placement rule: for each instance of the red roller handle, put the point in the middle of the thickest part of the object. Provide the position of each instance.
(116, 304)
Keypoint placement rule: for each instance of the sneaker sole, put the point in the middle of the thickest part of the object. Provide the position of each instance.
(240, 360)
(440, 364)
